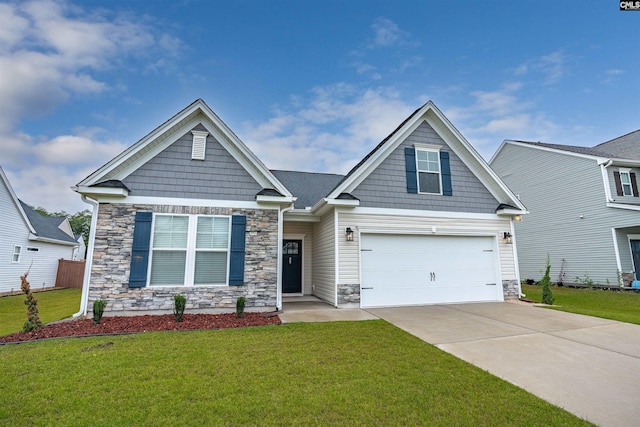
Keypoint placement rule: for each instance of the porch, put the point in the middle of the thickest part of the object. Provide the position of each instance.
(309, 308)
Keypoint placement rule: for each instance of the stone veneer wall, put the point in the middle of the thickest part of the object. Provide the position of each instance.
(112, 257)
(348, 294)
(510, 289)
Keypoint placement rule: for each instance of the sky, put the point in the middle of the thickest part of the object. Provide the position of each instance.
(307, 85)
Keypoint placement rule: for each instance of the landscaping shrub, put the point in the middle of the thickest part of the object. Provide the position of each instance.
(547, 295)
(240, 307)
(98, 310)
(33, 314)
(179, 304)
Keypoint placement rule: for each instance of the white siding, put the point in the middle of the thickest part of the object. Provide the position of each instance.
(305, 229)
(568, 216)
(349, 267)
(323, 273)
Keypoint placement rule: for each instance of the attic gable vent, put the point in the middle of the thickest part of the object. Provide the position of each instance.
(199, 144)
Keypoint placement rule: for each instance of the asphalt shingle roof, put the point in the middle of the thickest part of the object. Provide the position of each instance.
(46, 226)
(571, 148)
(308, 187)
(624, 147)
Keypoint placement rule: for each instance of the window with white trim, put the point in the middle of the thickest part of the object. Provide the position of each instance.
(625, 179)
(188, 250)
(428, 168)
(17, 251)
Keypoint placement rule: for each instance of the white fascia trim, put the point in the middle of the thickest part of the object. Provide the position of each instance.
(16, 201)
(427, 232)
(275, 199)
(300, 215)
(101, 191)
(555, 150)
(508, 212)
(143, 200)
(342, 202)
(424, 214)
(623, 206)
(36, 238)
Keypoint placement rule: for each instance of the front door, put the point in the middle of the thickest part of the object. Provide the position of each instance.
(291, 266)
(635, 254)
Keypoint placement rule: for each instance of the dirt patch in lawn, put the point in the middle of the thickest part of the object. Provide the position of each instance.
(133, 324)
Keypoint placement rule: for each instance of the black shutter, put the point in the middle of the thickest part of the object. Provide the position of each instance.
(236, 255)
(140, 250)
(410, 167)
(445, 170)
(616, 178)
(634, 184)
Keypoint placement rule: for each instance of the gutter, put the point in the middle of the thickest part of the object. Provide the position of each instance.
(84, 299)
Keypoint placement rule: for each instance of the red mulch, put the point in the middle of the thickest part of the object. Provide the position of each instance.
(132, 324)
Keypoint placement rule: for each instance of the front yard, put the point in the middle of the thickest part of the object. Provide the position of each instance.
(53, 305)
(340, 373)
(622, 306)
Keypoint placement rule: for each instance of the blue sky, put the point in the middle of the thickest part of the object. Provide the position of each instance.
(307, 85)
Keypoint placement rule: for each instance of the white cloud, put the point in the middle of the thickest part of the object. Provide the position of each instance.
(552, 67)
(330, 132)
(51, 51)
(387, 34)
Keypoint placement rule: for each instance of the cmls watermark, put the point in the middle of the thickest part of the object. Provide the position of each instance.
(630, 5)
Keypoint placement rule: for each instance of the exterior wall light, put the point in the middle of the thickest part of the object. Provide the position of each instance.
(507, 238)
(349, 234)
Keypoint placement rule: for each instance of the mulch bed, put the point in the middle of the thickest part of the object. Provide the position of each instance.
(132, 324)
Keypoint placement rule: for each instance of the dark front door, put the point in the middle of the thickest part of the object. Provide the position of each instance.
(291, 266)
(635, 254)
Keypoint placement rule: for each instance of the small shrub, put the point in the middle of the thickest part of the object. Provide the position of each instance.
(547, 295)
(240, 307)
(33, 314)
(179, 304)
(98, 310)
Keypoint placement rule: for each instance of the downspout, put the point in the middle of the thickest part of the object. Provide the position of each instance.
(279, 269)
(84, 299)
(605, 179)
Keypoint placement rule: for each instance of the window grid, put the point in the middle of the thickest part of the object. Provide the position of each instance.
(428, 168)
(17, 251)
(625, 179)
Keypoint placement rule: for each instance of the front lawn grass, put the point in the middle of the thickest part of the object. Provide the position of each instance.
(341, 373)
(53, 305)
(614, 305)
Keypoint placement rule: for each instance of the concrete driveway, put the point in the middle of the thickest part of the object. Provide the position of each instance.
(586, 365)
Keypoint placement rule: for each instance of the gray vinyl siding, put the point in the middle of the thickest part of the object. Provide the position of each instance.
(386, 187)
(324, 262)
(612, 186)
(558, 189)
(172, 173)
(305, 229)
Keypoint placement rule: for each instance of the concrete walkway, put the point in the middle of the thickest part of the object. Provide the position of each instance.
(586, 365)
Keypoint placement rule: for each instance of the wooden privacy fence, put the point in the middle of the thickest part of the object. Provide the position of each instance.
(70, 274)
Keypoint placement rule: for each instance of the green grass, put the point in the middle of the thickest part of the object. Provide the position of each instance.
(341, 373)
(53, 305)
(622, 306)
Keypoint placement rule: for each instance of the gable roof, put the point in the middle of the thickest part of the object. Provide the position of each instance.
(40, 227)
(308, 187)
(454, 139)
(47, 227)
(107, 177)
(588, 151)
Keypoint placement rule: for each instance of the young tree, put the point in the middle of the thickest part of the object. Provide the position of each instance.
(547, 295)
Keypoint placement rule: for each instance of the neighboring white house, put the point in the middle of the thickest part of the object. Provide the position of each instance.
(80, 252)
(584, 208)
(30, 242)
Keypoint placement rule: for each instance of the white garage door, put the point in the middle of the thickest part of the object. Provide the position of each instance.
(417, 269)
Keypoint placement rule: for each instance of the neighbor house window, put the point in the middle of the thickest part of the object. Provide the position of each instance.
(17, 250)
(428, 168)
(625, 179)
(189, 250)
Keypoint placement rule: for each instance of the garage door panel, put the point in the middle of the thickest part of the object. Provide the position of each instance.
(419, 269)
